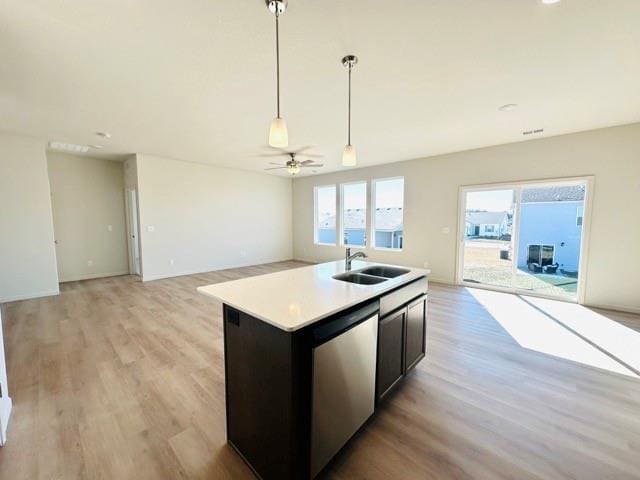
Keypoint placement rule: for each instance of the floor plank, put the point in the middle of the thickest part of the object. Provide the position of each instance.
(114, 378)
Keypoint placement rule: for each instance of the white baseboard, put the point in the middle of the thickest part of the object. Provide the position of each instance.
(161, 276)
(5, 414)
(94, 276)
(27, 296)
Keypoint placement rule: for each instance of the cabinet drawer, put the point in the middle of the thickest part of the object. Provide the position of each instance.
(402, 295)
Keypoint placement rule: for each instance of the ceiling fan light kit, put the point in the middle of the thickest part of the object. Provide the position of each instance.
(278, 133)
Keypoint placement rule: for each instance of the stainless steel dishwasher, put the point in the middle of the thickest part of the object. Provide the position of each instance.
(344, 381)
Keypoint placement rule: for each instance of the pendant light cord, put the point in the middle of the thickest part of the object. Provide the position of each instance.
(277, 63)
(349, 121)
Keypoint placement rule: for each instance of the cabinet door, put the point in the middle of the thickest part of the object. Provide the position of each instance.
(416, 330)
(390, 351)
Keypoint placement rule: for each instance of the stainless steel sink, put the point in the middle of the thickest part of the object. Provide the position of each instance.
(382, 271)
(359, 278)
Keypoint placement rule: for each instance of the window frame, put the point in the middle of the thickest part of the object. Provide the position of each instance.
(315, 214)
(373, 210)
(367, 222)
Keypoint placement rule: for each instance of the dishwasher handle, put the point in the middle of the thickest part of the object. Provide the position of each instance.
(344, 322)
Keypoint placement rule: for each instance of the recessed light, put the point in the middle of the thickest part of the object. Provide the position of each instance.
(550, 2)
(96, 147)
(103, 134)
(68, 147)
(508, 107)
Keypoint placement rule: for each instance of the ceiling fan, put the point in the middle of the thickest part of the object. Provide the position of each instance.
(293, 166)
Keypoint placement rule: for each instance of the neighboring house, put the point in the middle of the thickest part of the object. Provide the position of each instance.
(389, 228)
(487, 224)
(552, 217)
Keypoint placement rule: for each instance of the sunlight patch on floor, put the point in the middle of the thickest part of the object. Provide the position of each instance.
(620, 341)
(534, 330)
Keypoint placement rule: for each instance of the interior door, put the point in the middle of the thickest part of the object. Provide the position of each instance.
(133, 240)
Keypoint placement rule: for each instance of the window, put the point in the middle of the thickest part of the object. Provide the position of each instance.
(354, 214)
(579, 216)
(325, 215)
(489, 229)
(388, 220)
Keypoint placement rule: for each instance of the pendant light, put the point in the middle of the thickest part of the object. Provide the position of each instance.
(349, 152)
(278, 134)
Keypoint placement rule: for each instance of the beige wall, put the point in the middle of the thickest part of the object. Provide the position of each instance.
(612, 155)
(27, 254)
(88, 216)
(198, 218)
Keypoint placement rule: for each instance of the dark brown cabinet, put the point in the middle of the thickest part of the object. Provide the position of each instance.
(390, 351)
(415, 332)
(401, 343)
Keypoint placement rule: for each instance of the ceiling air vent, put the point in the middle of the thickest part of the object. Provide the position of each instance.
(533, 132)
(68, 147)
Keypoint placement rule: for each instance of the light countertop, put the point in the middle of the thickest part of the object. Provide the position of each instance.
(293, 299)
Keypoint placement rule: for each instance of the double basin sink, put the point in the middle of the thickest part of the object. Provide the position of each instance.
(371, 275)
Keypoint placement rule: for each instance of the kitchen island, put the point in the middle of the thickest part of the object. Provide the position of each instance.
(309, 353)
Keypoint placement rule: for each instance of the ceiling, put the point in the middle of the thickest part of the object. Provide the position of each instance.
(195, 79)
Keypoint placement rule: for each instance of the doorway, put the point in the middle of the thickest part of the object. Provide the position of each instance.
(133, 238)
(527, 237)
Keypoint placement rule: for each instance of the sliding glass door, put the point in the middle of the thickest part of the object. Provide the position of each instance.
(526, 238)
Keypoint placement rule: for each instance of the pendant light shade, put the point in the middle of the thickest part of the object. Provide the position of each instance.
(278, 133)
(349, 153)
(349, 156)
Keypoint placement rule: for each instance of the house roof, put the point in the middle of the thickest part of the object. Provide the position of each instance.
(566, 193)
(389, 219)
(486, 218)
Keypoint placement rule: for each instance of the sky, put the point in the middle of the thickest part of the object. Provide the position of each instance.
(389, 193)
(491, 200)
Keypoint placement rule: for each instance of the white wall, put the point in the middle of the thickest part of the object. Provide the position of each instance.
(612, 155)
(27, 253)
(208, 218)
(87, 198)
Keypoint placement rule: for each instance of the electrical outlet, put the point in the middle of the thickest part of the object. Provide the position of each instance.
(89, 263)
(171, 262)
(243, 253)
(110, 228)
(426, 264)
(446, 230)
(151, 228)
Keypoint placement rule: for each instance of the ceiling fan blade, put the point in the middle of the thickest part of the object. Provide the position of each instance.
(274, 168)
(306, 161)
(302, 149)
(312, 165)
(279, 164)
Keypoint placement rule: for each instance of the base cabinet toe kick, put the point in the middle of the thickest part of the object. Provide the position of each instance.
(295, 399)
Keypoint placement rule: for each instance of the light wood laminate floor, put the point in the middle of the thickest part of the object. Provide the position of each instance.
(116, 379)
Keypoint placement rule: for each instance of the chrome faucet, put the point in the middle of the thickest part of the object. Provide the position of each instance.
(348, 258)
